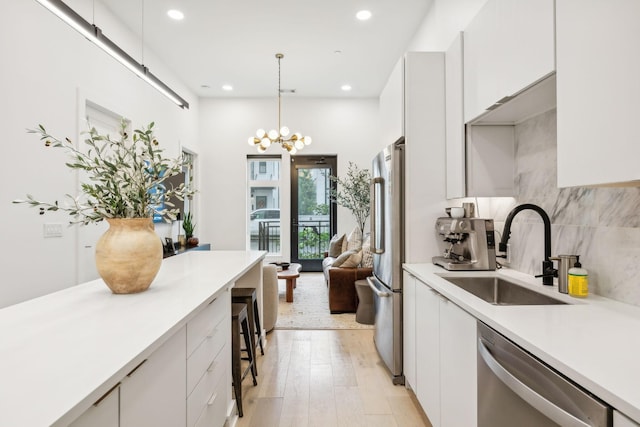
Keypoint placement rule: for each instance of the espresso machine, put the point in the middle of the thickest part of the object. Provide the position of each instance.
(465, 244)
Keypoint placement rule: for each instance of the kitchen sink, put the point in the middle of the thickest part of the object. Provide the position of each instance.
(499, 291)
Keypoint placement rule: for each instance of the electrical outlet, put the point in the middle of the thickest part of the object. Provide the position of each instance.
(52, 230)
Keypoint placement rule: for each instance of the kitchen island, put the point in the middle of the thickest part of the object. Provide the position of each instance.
(62, 352)
(592, 341)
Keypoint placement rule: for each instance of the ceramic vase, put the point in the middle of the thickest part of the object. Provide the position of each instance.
(129, 255)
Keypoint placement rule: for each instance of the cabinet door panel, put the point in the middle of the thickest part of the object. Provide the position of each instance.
(428, 351)
(409, 329)
(155, 393)
(455, 153)
(103, 414)
(598, 89)
(458, 370)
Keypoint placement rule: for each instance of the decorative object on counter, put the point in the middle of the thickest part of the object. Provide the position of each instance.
(128, 255)
(578, 279)
(354, 194)
(189, 226)
(125, 181)
(291, 143)
(565, 263)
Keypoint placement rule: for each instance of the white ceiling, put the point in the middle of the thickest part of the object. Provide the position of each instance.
(235, 41)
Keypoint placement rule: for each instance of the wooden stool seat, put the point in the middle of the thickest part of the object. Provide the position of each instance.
(249, 296)
(240, 325)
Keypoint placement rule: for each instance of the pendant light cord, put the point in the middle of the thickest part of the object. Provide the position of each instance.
(279, 56)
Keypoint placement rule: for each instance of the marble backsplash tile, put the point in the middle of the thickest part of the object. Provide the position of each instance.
(602, 225)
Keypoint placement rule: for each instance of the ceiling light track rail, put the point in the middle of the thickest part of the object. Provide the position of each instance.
(95, 35)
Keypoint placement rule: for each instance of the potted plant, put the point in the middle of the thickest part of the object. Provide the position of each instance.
(124, 186)
(352, 192)
(189, 226)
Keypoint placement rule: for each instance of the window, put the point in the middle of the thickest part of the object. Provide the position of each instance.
(263, 191)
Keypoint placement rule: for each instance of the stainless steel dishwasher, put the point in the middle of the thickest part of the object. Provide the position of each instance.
(515, 388)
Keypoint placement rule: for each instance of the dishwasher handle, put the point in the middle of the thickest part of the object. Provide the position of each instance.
(376, 289)
(530, 396)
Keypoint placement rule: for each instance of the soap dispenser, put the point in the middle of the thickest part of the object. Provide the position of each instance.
(578, 280)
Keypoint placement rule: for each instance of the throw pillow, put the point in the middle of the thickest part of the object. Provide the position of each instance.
(367, 255)
(348, 259)
(335, 245)
(354, 241)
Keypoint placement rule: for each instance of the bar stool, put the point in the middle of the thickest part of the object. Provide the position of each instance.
(240, 324)
(248, 296)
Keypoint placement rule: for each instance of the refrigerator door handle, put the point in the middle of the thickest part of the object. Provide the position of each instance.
(377, 218)
(376, 289)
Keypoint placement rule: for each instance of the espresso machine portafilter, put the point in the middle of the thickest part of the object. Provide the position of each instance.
(465, 244)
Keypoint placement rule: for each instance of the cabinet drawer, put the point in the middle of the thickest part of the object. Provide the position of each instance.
(208, 388)
(200, 360)
(214, 414)
(201, 326)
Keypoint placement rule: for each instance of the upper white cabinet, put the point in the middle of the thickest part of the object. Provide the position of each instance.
(620, 420)
(598, 86)
(508, 47)
(455, 151)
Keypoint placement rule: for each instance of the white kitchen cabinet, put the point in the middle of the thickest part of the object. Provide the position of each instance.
(409, 330)
(490, 161)
(154, 393)
(458, 369)
(508, 47)
(620, 420)
(455, 150)
(103, 413)
(445, 358)
(428, 351)
(598, 90)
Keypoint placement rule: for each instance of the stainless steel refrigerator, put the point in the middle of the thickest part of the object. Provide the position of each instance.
(387, 245)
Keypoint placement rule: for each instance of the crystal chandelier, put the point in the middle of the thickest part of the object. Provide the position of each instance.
(290, 142)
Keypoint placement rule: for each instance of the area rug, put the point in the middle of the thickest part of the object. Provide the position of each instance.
(310, 307)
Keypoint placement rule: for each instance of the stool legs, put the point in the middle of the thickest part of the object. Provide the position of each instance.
(240, 325)
(258, 327)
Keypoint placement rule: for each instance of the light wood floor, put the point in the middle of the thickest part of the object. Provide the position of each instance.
(325, 378)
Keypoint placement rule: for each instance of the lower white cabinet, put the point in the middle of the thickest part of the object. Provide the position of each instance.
(409, 330)
(445, 358)
(154, 393)
(185, 382)
(458, 366)
(620, 420)
(428, 351)
(103, 413)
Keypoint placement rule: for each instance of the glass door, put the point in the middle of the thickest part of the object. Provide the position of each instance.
(313, 215)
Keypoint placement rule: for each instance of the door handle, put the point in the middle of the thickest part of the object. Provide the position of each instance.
(376, 290)
(377, 218)
(530, 396)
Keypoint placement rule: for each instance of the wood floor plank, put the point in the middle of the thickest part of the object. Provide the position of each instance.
(328, 378)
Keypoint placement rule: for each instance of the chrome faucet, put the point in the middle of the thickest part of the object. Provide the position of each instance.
(548, 272)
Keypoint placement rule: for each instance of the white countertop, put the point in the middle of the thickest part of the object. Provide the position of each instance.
(594, 341)
(60, 352)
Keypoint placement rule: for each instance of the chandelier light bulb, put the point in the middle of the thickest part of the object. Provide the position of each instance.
(252, 141)
(261, 133)
(299, 145)
(261, 149)
(293, 151)
(273, 134)
(265, 143)
(284, 131)
(307, 140)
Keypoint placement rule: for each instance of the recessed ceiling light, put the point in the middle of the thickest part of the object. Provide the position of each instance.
(175, 14)
(363, 15)
(205, 86)
(345, 88)
(337, 52)
(227, 87)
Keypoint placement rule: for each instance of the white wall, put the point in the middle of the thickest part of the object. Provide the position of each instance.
(48, 71)
(443, 22)
(346, 127)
